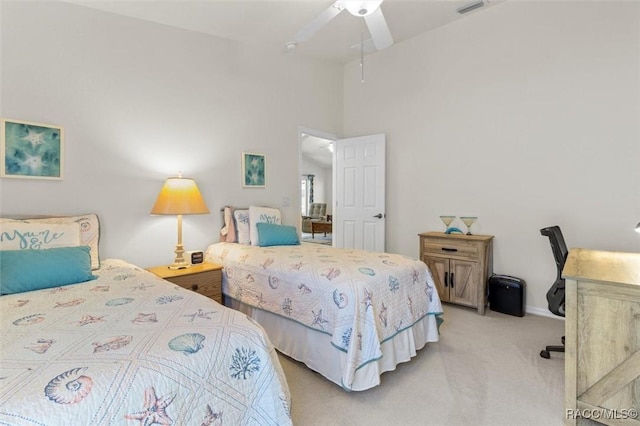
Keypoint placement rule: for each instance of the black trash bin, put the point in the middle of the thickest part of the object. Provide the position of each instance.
(507, 295)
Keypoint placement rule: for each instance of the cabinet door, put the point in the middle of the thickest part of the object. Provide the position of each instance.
(463, 282)
(440, 269)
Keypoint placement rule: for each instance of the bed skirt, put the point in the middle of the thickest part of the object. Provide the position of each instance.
(314, 348)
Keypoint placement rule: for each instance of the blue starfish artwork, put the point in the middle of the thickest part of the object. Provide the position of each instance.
(32, 149)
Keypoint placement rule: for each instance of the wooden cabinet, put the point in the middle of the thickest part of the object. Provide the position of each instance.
(602, 337)
(205, 278)
(461, 265)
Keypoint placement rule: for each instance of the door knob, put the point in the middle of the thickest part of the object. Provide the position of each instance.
(379, 216)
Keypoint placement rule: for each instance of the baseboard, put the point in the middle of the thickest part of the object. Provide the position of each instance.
(542, 312)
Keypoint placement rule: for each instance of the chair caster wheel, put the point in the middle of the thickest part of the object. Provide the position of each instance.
(545, 354)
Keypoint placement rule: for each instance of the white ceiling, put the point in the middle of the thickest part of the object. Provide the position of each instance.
(273, 23)
(316, 150)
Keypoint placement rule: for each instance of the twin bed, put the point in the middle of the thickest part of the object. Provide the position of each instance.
(122, 346)
(350, 315)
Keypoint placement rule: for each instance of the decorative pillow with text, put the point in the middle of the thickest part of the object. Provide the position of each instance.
(37, 236)
(261, 215)
(88, 224)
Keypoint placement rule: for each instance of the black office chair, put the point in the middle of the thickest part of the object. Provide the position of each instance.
(555, 295)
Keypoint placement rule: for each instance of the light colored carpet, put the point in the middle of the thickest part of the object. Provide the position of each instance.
(485, 370)
(317, 238)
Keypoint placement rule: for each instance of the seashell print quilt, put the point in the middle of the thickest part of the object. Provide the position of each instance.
(129, 349)
(360, 298)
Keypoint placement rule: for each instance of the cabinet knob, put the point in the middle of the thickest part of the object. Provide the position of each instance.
(449, 249)
(194, 287)
(452, 275)
(446, 279)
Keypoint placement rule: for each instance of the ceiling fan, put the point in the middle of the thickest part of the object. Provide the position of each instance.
(369, 10)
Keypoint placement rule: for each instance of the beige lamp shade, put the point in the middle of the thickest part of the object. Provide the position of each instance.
(179, 196)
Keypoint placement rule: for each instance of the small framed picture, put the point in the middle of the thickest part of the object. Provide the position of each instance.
(254, 169)
(31, 150)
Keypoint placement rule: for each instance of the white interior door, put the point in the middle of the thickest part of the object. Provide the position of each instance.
(359, 193)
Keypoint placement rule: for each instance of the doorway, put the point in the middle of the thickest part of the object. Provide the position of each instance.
(348, 177)
(316, 185)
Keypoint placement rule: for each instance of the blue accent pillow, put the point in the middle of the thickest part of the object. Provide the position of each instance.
(27, 270)
(270, 234)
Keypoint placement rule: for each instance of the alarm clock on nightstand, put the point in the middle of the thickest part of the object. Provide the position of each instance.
(195, 257)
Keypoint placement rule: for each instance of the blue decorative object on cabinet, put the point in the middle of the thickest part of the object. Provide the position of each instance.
(453, 230)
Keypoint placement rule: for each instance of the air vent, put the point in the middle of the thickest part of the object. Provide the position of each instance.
(471, 6)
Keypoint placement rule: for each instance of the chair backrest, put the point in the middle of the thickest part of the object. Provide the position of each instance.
(318, 210)
(555, 295)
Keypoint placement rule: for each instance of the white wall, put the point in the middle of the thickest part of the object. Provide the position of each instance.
(140, 102)
(525, 115)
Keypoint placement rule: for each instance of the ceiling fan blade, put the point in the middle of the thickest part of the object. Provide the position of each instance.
(379, 30)
(318, 22)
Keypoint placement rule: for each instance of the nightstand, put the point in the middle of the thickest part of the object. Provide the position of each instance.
(205, 278)
(460, 265)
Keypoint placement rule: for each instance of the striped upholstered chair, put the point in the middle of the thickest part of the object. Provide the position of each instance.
(317, 211)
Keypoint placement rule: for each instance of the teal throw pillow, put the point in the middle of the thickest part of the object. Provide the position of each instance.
(27, 270)
(270, 234)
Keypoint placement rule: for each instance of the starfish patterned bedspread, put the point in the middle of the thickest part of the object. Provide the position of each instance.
(131, 348)
(360, 298)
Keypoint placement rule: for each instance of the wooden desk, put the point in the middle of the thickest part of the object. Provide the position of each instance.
(317, 226)
(602, 337)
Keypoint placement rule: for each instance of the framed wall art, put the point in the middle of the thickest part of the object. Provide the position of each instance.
(31, 150)
(253, 170)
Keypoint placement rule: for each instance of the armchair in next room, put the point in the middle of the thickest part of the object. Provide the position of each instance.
(317, 212)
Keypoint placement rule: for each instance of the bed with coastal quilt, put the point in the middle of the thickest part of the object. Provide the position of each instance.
(115, 344)
(348, 314)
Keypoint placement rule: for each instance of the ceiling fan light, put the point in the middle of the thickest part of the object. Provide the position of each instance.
(361, 8)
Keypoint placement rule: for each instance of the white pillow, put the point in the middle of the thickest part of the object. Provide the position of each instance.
(89, 231)
(242, 226)
(261, 215)
(16, 235)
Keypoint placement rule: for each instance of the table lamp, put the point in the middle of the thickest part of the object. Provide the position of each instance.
(179, 196)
